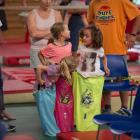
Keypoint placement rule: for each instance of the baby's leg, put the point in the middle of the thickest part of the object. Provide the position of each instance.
(83, 17)
(67, 18)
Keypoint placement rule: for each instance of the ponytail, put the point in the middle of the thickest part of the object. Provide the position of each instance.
(65, 72)
(56, 29)
(67, 64)
(50, 40)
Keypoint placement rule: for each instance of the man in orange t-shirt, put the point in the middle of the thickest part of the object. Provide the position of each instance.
(111, 17)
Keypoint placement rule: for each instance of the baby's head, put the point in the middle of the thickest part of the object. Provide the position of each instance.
(59, 29)
(94, 36)
(67, 65)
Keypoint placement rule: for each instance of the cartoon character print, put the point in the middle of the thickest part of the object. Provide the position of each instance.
(65, 99)
(88, 62)
(87, 99)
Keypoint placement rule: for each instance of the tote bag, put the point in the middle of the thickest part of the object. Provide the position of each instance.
(87, 100)
(64, 106)
(45, 100)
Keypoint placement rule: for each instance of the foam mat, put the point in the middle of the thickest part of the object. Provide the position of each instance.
(19, 137)
(15, 52)
(90, 135)
(16, 91)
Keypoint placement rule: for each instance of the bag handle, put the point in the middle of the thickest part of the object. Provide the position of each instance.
(39, 86)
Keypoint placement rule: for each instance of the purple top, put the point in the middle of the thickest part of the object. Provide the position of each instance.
(50, 77)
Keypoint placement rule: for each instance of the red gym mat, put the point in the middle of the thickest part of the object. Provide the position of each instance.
(19, 137)
(16, 86)
(90, 135)
(134, 70)
(15, 52)
(116, 93)
(132, 56)
(23, 74)
(28, 75)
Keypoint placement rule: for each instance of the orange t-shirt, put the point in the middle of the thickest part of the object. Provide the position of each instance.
(111, 17)
(56, 53)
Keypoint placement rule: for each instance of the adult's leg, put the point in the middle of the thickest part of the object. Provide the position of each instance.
(23, 2)
(2, 36)
(3, 113)
(124, 96)
(107, 97)
(107, 103)
(74, 37)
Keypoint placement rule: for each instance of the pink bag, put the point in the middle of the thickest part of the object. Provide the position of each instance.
(64, 106)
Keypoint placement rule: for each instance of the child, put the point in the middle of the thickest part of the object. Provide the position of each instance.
(76, 3)
(89, 53)
(57, 47)
(89, 80)
(52, 72)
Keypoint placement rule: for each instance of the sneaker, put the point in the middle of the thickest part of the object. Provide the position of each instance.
(106, 111)
(123, 113)
(11, 128)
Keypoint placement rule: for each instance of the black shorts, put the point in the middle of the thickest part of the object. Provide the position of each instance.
(3, 20)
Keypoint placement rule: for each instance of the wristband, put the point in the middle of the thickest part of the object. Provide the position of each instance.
(132, 34)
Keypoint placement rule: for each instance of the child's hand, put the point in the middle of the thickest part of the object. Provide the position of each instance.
(107, 71)
(41, 82)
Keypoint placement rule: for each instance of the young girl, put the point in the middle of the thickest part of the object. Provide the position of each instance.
(52, 72)
(89, 80)
(89, 53)
(57, 47)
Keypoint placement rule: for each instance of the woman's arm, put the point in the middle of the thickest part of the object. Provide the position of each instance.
(41, 57)
(58, 17)
(104, 60)
(39, 69)
(32, 27)
(47, 36)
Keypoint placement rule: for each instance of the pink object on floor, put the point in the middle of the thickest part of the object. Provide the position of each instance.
(15, 52)
(19, 137)
(90, 135)
(132, 56)
(23, 74)
(16, 86)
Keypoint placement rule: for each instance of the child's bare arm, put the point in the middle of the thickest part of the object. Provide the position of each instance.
(77, 59)
(104, 60)
(41, 57)
(39, 69)
(49, 62)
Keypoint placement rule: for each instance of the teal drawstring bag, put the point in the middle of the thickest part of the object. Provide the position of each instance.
(45, 100)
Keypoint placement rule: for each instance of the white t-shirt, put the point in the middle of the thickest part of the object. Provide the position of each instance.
(89, 61)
